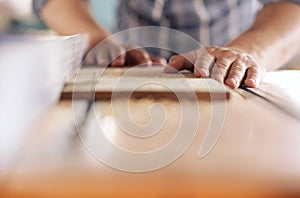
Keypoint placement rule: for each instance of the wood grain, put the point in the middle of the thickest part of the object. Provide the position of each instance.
(99, 83)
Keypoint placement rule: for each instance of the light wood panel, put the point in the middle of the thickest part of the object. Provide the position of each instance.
(140, 82)
(256, 155)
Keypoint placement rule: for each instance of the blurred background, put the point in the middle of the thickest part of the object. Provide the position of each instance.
(16, 16)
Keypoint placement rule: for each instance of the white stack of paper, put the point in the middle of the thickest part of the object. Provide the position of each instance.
(33, 71)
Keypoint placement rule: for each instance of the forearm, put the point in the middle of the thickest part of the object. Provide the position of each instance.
(68, 17)
(274, 38)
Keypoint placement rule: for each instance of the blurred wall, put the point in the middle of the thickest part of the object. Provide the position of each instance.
(16, 16)
(18, 9)
(105, 12)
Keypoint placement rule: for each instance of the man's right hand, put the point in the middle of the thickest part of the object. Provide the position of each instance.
(112, 53)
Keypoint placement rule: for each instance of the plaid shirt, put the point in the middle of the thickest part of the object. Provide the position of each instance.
(211, 22)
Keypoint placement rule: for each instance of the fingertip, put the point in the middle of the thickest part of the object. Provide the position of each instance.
(120, 61)
(88, 62)
(174, 64)
(232, 83)
(175, 61)
(144, 60)
(116, 63)
(254, 76)
(201, 72)
(251, 82)
(89, 59)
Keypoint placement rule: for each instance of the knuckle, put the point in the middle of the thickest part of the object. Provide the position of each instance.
(238, 68)
(253, 72)
(222, 64)
(227, 53)
(254, 69)
(206, 59)
(244, 59)
(252, 61)
(241, 57)
(211, 49)
(248, 61)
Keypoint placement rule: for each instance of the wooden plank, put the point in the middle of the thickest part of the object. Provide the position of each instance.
(140, 83)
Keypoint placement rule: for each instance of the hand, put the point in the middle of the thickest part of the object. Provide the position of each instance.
(223, 64)
(112, 53)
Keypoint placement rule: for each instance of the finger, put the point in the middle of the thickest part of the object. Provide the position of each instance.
(223, 62)
(236, 74)
(102, 59)
(158, 60)
(119, 61)
(203, 64)
(89, 59)
(178, 62)
(138, 57)
(254, 76)
(118, 55)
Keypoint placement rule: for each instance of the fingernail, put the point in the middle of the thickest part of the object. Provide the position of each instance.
(251, 82)
(233, 80)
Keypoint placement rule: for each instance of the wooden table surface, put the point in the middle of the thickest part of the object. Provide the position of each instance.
(256, 155)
